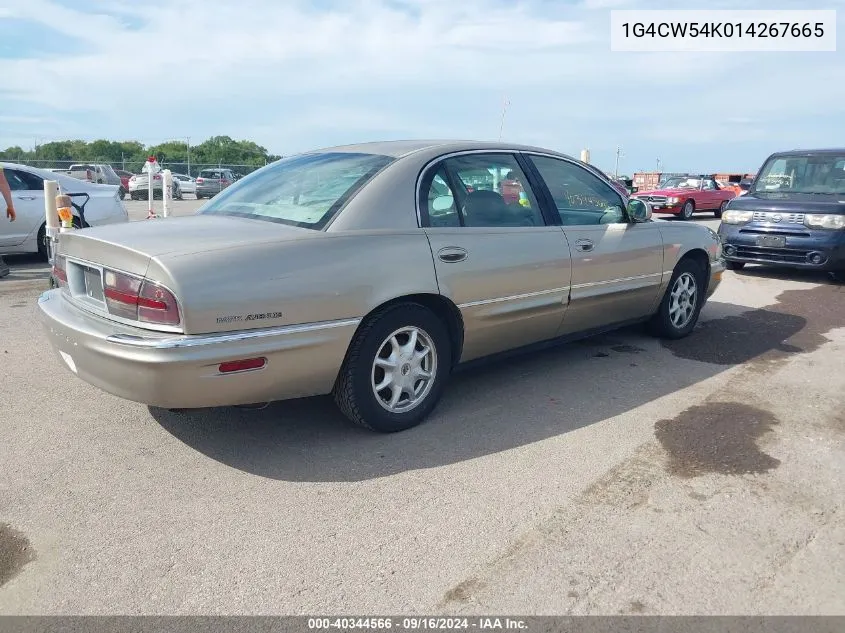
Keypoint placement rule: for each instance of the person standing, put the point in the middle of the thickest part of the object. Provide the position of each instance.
(6, 192)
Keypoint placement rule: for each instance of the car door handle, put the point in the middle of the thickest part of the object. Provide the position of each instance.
(451, 254)
(26, 197)
(584, 245)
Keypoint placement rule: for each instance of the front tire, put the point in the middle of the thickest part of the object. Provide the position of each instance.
(681, 305)
(395, 370)
(718, 212)
(687, 210)
(838, 276)
(734, 265)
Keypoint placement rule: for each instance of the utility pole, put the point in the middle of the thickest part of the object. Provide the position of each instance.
(618, 156)
(505, 105)
(189, 155)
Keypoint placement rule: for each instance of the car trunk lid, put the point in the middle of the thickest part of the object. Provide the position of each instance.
(130, 248)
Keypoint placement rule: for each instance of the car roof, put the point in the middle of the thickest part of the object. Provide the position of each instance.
(68, 182)
(402, 148)
(804, 152)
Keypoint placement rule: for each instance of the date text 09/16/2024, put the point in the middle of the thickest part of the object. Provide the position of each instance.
(417, 624)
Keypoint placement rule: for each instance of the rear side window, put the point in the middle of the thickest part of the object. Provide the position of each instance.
(305, 191)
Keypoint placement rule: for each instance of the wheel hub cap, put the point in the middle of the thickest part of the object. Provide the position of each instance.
(404, 369)
(682, 300)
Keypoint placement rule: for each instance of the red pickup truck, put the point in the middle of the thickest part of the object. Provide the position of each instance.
(686, 195)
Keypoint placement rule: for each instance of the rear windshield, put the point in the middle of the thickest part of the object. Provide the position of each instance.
(209, 174)
(303, 191)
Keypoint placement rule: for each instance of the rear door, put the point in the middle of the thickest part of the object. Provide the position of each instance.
(504, 265)
(617, 265)
(28, 198)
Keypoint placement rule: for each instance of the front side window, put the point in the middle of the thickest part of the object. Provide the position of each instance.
(580, 197)
(304, 191)
(481, 190)
(22, 181)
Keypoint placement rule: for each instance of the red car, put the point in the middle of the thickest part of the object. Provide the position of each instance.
(685, 195)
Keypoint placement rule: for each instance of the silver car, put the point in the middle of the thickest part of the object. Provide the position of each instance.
(369, 272)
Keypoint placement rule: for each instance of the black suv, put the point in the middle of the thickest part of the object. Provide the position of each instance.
(792, 216)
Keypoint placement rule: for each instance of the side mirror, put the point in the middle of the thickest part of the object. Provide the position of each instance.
(639, 210)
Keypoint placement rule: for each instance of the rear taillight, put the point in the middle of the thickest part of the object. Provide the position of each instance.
(200, 180)
(139, 299)
(60, 270)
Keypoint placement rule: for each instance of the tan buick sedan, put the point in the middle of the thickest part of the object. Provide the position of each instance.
(369, 272)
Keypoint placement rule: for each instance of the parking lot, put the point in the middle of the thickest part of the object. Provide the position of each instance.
(620, 474)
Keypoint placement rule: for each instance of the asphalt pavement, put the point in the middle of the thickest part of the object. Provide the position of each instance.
(620, 474)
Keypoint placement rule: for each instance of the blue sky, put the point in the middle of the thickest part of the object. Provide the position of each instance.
(294, 75)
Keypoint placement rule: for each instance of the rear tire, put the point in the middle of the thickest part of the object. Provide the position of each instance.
(373, 361)
(678, 312)
(43, 255)
(687, 210)
(734, 265)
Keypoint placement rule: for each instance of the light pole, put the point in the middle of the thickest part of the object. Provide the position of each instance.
(658, 165)
(188, 145)
(505, 105)
(618, 156)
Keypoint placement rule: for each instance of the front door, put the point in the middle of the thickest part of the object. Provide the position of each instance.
(496, 256)
(617, 266)
(28, 198)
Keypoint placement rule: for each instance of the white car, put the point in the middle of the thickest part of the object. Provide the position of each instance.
(100, 204)
(139, 187)
(186, 183)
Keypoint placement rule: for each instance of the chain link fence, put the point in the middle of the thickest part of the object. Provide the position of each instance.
(135, 166)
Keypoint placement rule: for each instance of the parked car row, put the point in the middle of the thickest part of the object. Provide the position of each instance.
(208, 183)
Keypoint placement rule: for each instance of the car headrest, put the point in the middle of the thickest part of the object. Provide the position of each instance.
(485, 206)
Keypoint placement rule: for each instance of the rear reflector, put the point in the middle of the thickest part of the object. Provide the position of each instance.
(242, 365)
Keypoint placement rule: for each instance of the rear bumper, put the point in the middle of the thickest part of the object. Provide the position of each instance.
(209, 191)
(175, 371)
(800, 252)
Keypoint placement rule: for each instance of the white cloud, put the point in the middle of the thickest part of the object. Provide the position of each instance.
(292, 76)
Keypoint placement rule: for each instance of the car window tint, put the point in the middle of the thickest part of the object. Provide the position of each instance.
(492, 191)
(581, 197)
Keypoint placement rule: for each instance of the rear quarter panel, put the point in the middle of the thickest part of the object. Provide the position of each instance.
(324, 277)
